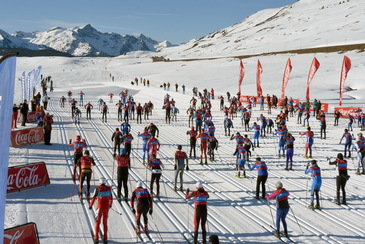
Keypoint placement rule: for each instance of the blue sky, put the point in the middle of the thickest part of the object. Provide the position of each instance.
(175, 21)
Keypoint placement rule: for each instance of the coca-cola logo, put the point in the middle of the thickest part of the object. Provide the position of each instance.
(14, 238)
(24, 178)
(31, 137)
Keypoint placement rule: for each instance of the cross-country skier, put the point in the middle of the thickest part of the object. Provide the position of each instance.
(152, 128)
(256, 134)
(181, 159)
(81, 98)
(153, 145)
(127, 141)
(77, 115)
(261, 176)
(85, 162)
(289, 151)
(192, 135)
(348, 143)
(156, 167)
(116, 138)
(212, 144)
(105, 200)
(62, 101)
(281, 195)
(104, 110)
(88, 107)
(241, 156)
(341, 179)
(124, 165)
(125, 127)
(281, 133)
(360, 144)
(144, 205)
(145, 137)
(263, 120)
(203, 146)
(228, 124)
(201, 212)
(78, 148)
(248, 144)
(315, 172)
(308, 142)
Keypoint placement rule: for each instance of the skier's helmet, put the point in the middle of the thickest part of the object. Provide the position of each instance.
(139, 184)
(199, 184)
(78, 137)
(86, 153)
(102, 181)
(179, 147)
(278, 185)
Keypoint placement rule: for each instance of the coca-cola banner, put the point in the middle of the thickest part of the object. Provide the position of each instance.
(22, 234)
(346, 111)
(33, 116)
(27, 176)
(26, 136)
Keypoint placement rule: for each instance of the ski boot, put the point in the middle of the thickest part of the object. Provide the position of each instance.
(286, 168)
(138, 230)
(105, 241)
(244, 174)
(239, 174)
(283, 155)
(290, 167)
(201, 161)
(337, 202)
(181, 188)
(277, 234)
(317, 206)
(96, 241)
(175, 188)
(145, 229)
(286, 234)
(206, 162)
(310, 156)
(306, 156)
(311, 206)
(344, 202)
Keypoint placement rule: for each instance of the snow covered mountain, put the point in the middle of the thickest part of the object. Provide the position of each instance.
(87, 41)
(301, 25)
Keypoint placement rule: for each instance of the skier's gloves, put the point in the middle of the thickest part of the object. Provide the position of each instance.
(134, 211)
(151, 211)
(187, 167)
(90, 207)
(187, 191)
(70, 141)
(175, 167)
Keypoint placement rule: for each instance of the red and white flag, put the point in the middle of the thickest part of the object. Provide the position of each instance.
(258, 78)
(241, 75)
(346, 66)
(314, 67)
(287, 71)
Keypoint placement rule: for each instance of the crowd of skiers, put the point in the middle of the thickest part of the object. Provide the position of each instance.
(202, 129)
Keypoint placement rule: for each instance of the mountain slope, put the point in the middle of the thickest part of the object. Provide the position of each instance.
(296, 26)
(87, 41)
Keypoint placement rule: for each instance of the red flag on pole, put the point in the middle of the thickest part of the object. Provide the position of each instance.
(346, 66)
(258, 78)
(240, 79)
(314, 67)
(287, 71)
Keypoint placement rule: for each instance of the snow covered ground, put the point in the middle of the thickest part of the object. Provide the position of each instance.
(233, 213)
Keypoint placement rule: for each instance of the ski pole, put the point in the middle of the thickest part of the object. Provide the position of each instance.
(272, 217)
(164, 186)
(158, 231)
(300, 227)
(113, 167)
(116, 211)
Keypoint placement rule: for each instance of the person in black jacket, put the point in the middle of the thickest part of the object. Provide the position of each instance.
(24, 111)
(341, 179)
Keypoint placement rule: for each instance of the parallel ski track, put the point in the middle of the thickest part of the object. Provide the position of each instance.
(247, 212)
(123, 208)
(90, 216)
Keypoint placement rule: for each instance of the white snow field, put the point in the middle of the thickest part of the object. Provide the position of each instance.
(233, 213)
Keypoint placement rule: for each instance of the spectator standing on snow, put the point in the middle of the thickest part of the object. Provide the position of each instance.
(24, 108)
(47, 127)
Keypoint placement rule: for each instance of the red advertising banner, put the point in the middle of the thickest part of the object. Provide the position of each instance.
(346, 111)
(27, 176)
(22, 234)
(33, 116)
(26, 136)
